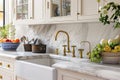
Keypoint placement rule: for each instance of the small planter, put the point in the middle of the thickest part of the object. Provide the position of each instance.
(27, 47)
(111, 58)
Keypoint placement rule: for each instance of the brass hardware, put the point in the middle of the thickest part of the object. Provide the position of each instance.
(31, 17)
(1, 77)
(57, 51)
(81, 52)
(48, 5)
(88, 54)
(89, 47)
(78, 13)
(73, 51)
(0, 63)
(8, 66)
(68, 39)
(64, 50)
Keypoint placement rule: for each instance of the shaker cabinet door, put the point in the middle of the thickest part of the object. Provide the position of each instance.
(88, 10)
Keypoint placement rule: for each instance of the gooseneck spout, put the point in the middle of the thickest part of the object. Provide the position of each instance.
(68, 39)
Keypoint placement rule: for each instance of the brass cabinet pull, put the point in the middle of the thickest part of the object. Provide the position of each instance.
(1, 77)
(0, 63)
(8, 66)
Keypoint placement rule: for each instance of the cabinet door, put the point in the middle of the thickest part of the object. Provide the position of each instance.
(61, 10)
(6, 75)
(24, 9)
(39, 9)
(88, 10)
(19, 78)
(71, 75)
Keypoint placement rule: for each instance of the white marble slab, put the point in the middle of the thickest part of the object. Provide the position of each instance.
(99, 70)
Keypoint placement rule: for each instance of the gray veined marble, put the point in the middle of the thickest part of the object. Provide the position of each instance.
(78, 32)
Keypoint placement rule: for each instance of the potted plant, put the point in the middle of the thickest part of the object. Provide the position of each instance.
(107, 51)
(110, 13)
(6, 31)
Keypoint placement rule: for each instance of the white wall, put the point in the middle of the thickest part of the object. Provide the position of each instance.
(78, 32)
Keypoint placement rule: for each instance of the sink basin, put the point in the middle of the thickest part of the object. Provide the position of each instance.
(31, 71)
(41, 68)
(35, 69)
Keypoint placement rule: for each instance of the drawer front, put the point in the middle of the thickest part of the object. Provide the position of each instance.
(6, 64)
(6, 75)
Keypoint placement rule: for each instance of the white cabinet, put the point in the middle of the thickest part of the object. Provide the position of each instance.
(61, 10)
(6, 75)
(29, 11)
(6, 68)
(39, 9)
(88, 10)
(71, 75)
(24, 9)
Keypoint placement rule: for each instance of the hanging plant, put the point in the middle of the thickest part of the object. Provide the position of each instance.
(110, 13)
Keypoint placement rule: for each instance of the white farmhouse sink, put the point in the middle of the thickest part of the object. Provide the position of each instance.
(35, 69)
(41, 68)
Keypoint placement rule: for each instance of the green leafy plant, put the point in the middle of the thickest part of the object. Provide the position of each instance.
(5, 31)
(110, 13)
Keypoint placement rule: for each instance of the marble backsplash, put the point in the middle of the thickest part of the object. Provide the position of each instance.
(92, 32)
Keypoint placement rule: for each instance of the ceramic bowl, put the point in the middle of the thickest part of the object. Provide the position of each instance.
(9, 46)
(111, 58)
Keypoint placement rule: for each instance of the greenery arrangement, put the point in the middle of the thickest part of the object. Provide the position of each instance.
(5, 31)
(109, 46)
(110, 13)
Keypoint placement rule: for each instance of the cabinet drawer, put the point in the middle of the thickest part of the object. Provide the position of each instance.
(6, 64)
(72, 75)
(6, 75)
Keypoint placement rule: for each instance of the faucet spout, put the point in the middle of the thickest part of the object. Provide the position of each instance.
(68, 39)
(88, 44)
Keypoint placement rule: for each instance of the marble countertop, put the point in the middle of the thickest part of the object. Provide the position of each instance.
(109, 72)
(22, 55)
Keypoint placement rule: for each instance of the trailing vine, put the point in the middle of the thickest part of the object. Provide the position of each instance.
(110, 13)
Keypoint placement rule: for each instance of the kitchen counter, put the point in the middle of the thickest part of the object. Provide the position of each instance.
(108, 72)
(22, 55)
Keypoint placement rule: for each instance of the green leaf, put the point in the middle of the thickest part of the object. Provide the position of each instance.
(98, 1)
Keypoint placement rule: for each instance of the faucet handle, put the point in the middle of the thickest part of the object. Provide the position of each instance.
(64, 50)
(81, 52)
(73, 51)
(57, 51)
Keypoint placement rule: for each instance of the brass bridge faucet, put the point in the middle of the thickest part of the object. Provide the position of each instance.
(68, 39)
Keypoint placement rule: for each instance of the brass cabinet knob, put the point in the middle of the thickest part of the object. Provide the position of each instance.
(8, 65)
(73, 51)
(78, 13)
(64, 50)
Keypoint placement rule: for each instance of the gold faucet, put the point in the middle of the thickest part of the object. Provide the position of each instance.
(68, 39)
(88, 53)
